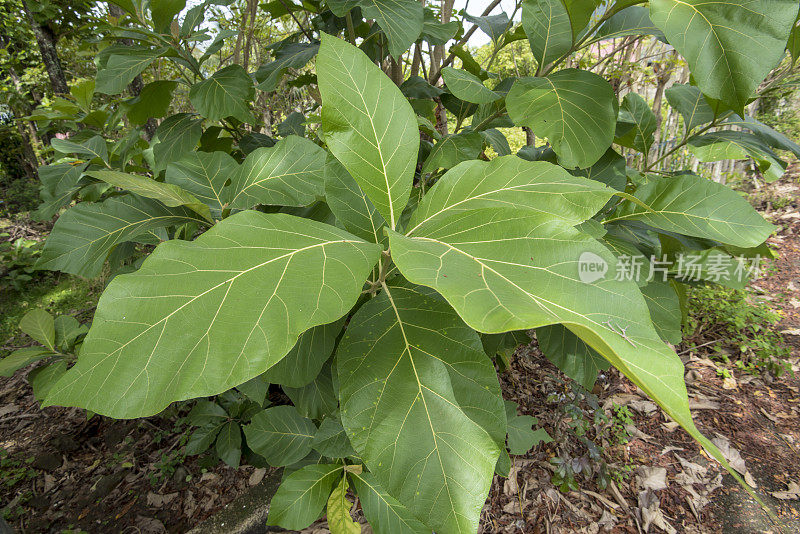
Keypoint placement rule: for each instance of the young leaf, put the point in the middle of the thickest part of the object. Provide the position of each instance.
(291, 173)
(22, 358)
(695, 206)
(204, 175)
(369, 125)
(225, 94)
(512, 182)
(468, 87)
(730, 46)
(281, 435)
(636, 124)
(339, 519)
(301, 496)
(385, 513)
(150, 345)
(229, 443)
(430, 427)
(574, 109)
(571, 354)
(168, 194)
(39, 325)
(84, 235)
(521, 437)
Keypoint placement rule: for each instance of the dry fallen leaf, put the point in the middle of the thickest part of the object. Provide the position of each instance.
(792, 493)
(257, 476)
(157, 500)
(652, 478)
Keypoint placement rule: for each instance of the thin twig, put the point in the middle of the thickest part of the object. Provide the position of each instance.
(302, 29)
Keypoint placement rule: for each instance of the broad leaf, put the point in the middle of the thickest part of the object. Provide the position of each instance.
(229, 443)
(302, 495)
(571, 354)
(202, 438)
(468, 87)
(350, 205)
(512, 182)
(291, 173)
(177, 135)
(385, 513)
(400, 20)
(255, 389)
(695, 206)
(59, 184)
(634, 20)
(204, 174)
(281, 435)
(665, 309)
(691, 104)
(225, 94)
(609, 169)
(452, 150)
(152, 102)
(22, 358)
(39, 325)
(168, 194)
(548, 28)
(205, 412)
(429, 427)
(94, 147)
(303, 363)
(43, 378)
(150, 345)
(369, 125)
(730, 46)
(84, 235)
(163, 12)
(503, 271)
(574, 109)
(497, 141)
(522, 437)
(772, 137)
(730, 144)
(331, 439)
(636, 124)
(288, 56)
(338, 512)
(317, 398)
(122, 67)
(492, 25)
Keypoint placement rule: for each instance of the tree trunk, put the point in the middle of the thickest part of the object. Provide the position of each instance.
(47, 48)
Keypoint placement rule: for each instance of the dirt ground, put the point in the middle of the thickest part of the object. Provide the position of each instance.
(61, 471)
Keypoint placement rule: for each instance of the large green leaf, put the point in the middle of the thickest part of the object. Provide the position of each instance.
(288, 56)
(634, 20)
(59, 184)
(152, 102)
(122, 67)
(369, 125)
(291, 173)
(85, 235)
(691, 104)
(574, 109)
(400, 20)
(281, 435)
(636, 124)
(229, 443)
(509, 181)
(177, 135)
(225, 94)
(695, 206)
(422, 406)
(170, 195)
(331, 439)
(22, 358)
(301, 496)
(731, 144)
(467, 87)
(303, 363)
(502, 270)
(163, 12)
(204, 174)
(609, 169)
(548, 28)
(317, 398)
(350, 205)
(453, 149)
(247, 289)
(665, 309)
(385, 513)
(571, 354)
(94, 147)
(772, 137)
(730, 46)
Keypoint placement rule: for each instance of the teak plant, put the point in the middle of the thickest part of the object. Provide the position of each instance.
(374, 268)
